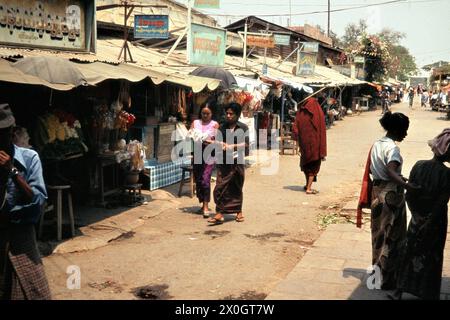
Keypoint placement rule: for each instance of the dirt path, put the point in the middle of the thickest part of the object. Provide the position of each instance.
(180, 257)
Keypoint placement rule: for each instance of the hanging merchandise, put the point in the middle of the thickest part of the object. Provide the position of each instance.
(109, 126)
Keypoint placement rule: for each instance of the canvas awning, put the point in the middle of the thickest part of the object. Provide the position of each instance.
(103, 66)
(10, 74)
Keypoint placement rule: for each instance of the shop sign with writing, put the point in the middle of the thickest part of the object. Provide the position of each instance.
(151, 26)
(306, 63)
(207, 4)
(282, 39)
(62, 25)
(261, 41)
(310, 47)
(207, 46)
(359, 59)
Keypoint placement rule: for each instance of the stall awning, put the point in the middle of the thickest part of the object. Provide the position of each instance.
(97, 72)
(104, 65)
(10, 74)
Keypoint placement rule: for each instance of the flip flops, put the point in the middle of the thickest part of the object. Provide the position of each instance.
(312, 192)
(215, 221)
(204, 213)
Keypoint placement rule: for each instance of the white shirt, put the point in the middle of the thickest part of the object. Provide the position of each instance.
(384, 151)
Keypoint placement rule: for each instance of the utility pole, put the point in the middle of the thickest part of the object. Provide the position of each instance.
(290, 13)
(329, 16)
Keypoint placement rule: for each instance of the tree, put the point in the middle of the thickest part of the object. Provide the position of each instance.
(353, 34)
(377, 57)
(383, 52)
(390, 36)
(403, 63)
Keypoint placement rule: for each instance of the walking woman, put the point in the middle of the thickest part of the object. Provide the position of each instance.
(388, 209)
(204, 165)
(234, 142)
(421, 271)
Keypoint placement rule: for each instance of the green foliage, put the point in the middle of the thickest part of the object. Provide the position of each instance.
(353, 34)
(377, 57)
(385, 57)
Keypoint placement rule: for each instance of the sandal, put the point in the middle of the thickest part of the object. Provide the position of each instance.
(216, 221)
(204, 213)
(312, 192)
(240, 218)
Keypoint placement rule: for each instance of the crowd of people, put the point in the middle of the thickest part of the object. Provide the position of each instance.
(410, 257)
(435, 99)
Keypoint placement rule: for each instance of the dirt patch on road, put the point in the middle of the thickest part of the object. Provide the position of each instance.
(152, 292)
(247, 295)
(110, 286)
(216, 234)
(265, 236)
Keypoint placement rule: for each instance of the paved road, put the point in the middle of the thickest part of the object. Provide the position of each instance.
(183, 258)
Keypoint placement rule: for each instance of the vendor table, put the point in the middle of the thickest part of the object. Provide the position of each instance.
(103, 162)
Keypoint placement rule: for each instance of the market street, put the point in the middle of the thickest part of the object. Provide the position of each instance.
(184, 258)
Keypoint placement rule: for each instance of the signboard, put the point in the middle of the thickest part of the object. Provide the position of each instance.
(359, 59)
(261, 41)
(207, 45)
(282, 39)
(207, 4)
(151, 26)
(165, 143)
(310, 47)
(306, 63)
(62, 25)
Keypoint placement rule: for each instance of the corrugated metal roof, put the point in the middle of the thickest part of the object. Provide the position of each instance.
(108, 51)
(9, 52)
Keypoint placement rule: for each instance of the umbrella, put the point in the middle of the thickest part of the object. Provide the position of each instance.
(51, 69)
(226, 77)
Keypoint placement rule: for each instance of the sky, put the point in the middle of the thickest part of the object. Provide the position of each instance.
(426, 23)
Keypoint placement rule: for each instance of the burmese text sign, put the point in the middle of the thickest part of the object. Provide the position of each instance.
(151, 26)
(207, 46)
(261, 41)
(207, 4)
(62, 25)
(282, 39)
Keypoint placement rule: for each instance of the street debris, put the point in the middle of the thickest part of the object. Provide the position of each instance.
(112, 286)
(247, 295)
(265, 236)
(152, 292)
(216, 234)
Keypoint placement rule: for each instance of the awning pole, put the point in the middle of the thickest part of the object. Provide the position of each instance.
(312, 95)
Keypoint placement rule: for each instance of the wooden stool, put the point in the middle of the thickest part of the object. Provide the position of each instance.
(133, 193)
(187, 169)
(287, 143)
(59, 198)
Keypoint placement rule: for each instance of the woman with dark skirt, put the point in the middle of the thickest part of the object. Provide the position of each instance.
(204, 162)
(421, 271)
(234, 142)
(388, 208)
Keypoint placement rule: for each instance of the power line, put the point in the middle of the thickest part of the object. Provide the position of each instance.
(326, 11)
